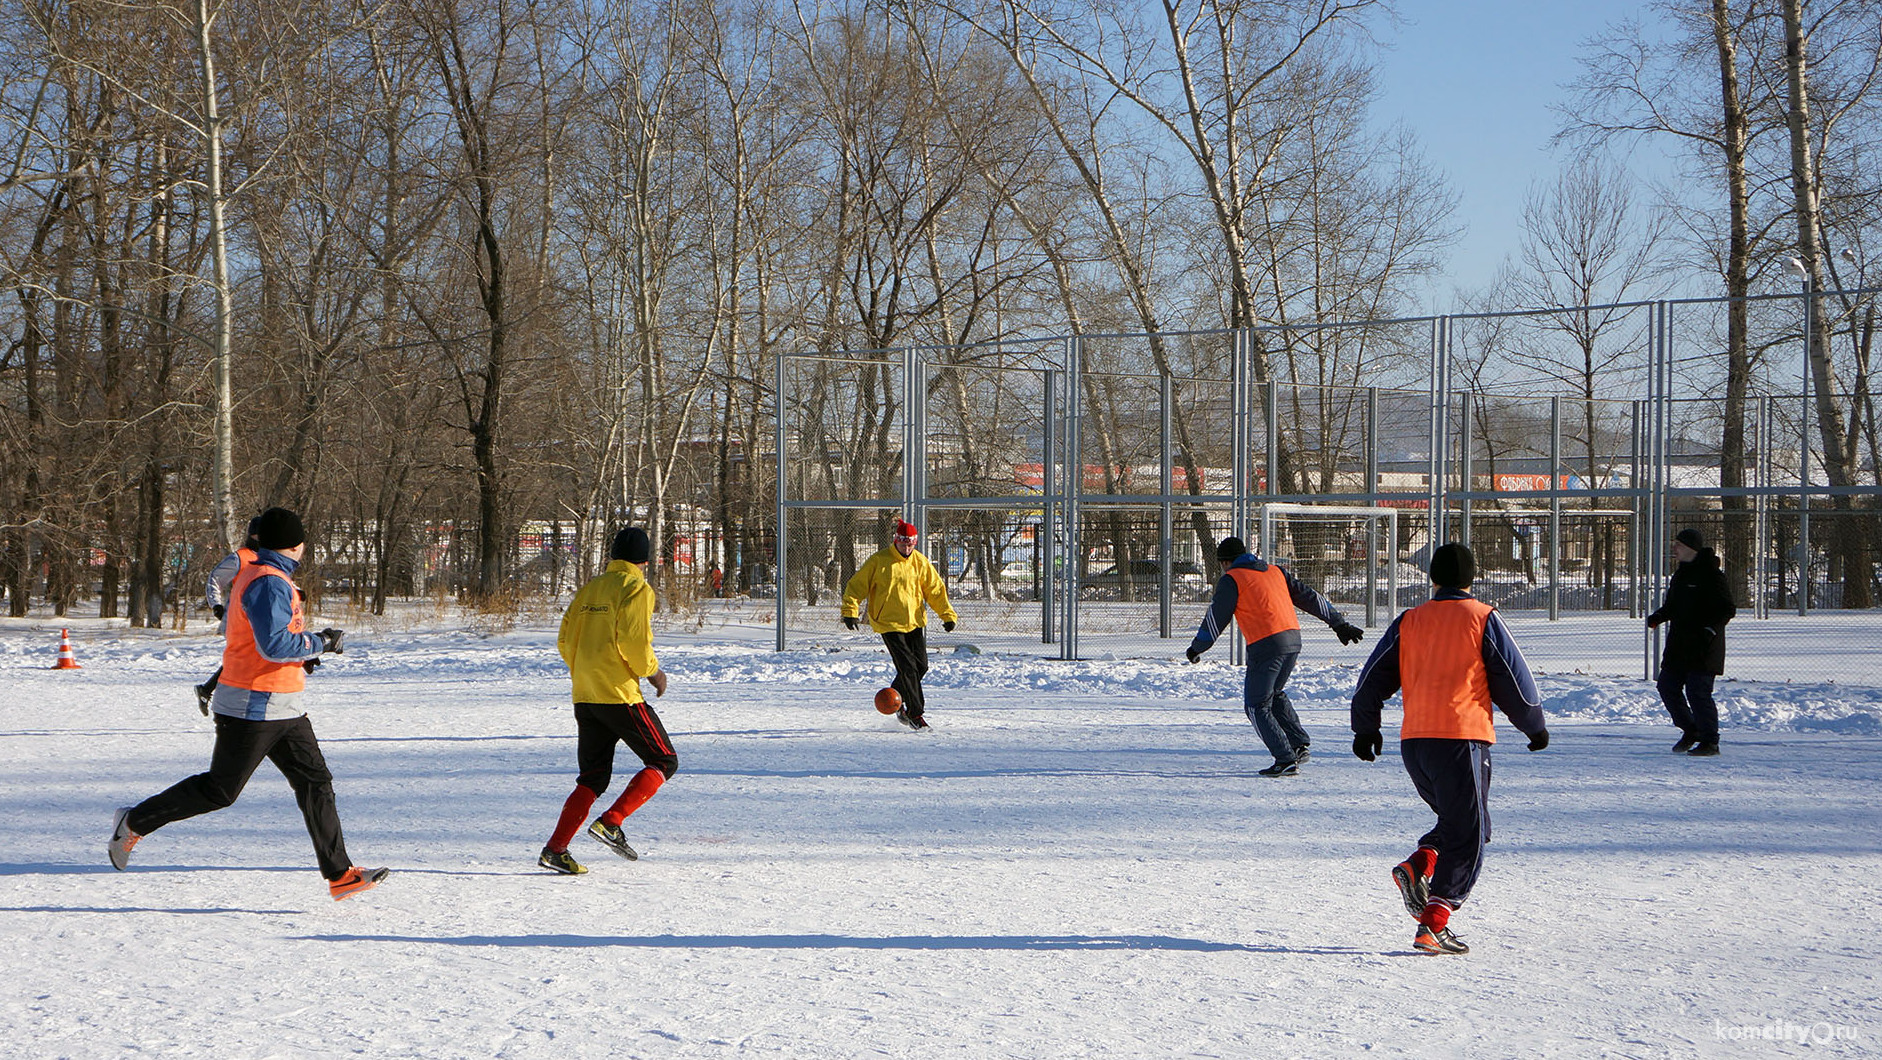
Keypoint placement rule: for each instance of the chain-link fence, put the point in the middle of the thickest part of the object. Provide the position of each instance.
(1072, 490)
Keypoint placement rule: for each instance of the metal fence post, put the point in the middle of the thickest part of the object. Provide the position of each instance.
(1045, 538)
(1555, 509)
(1165, 516)
(780, 553)
(1074, 490)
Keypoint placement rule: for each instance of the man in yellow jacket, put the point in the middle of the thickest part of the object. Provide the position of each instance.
(607, 642)
(899, 585)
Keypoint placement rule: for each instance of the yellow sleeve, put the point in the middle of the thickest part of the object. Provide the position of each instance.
(938, 595)
(633, 631)
(565, 636)
(857, 590)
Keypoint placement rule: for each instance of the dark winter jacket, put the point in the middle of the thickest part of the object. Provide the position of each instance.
(1228, 595)
(1697, 606)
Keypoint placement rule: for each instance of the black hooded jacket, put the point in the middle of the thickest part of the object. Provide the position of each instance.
(1697, 606)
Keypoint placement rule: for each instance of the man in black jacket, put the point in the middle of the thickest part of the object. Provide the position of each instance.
(1697, 606)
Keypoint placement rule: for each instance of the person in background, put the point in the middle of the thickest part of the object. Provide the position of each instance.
(899, 585)
(606, 640)
(1697, 606)
(258, 711)
(1261, 597)
(1454, 660)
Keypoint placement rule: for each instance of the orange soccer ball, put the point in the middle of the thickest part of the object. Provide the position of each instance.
(888, 700)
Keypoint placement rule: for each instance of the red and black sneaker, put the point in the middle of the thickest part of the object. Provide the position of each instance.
(1413, 888)
(1437, 940)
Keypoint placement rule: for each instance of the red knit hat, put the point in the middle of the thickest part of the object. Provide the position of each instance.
(906, 529)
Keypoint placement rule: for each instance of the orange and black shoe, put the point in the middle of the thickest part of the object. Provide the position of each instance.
(122, 840)
(356, 880)
(1437, 940)
(1413, 888)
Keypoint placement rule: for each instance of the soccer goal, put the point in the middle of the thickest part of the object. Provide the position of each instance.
(1350, 554)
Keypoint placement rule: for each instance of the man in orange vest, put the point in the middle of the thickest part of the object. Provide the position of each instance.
(1261, 597)
(257, 707)
(1454, 659)
(216, 595)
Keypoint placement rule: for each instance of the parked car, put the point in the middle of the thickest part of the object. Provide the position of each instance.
(1187, 582)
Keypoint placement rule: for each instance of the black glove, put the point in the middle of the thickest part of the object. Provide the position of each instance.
(1367, 745)
(219, 611)
(1538, 739)
(1349, 633)
(1192, 655)
(330, 639)
(310, 665)
(850, 621)
(947, 627)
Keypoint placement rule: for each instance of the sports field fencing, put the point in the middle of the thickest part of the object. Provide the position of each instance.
(1072, 489)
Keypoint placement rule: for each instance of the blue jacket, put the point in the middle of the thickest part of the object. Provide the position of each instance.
(270, 609)
(1228, 593)
(1512, 688)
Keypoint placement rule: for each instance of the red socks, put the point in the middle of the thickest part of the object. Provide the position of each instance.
(574, 815)
(639, 790)
(582, 799)
(1424, 861)
(1437, 914)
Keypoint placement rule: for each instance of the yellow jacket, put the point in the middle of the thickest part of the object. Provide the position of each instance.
(895, 587)
(607, 636)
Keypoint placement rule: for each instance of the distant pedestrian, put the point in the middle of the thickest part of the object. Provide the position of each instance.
(1453, 659)
(1697, 606)
(1260, 598)
(899, 585)
(258, 712)
(606, 640)
(216, 595)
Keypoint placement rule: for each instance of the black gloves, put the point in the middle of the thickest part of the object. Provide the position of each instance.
(1192, 655)
(1349, 633)
(330, 640)
(219, 611)
(850, 621)
(310, 665)
(947, 627)
(1538, 740)
(1367, 745)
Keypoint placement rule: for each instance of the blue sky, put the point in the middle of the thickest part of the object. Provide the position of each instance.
(1475, 79)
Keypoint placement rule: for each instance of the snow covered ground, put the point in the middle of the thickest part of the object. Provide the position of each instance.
(1078, 861)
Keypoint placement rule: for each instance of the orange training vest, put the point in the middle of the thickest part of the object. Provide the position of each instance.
(242, 664)
(1440, 664)
(1262, 604)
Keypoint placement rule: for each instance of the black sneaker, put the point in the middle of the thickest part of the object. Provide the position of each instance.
(1280, 769)
(1414, 889)
(1704, 749)
(913, 721)
(1686, 740)
(1300, 758)
(610, 836)
(1439, 941)
(560, 861)
(203, 694)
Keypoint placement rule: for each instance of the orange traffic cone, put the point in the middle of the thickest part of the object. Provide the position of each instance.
(67, 661)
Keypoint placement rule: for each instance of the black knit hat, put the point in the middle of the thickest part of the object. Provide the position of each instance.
(1453, 567)
(631, 545)
(254, 527)
(278, 528)
(1230, 549)
(1690, 538)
